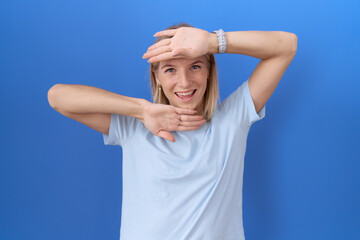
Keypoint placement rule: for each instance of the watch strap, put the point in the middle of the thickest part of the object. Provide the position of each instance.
(222, 40)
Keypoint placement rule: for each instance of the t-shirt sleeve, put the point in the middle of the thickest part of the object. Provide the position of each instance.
(239, 106)
(122, 128)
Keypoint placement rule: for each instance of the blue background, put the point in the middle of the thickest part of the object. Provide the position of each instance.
(59, 181)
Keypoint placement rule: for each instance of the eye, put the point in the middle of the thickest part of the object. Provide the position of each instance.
(169, 69)
(197, 66)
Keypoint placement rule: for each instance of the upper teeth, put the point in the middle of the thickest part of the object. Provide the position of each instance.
(184, 94)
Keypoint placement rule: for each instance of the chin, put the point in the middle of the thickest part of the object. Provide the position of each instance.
(185, 105)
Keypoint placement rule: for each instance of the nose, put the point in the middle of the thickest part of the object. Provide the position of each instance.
(184, 80)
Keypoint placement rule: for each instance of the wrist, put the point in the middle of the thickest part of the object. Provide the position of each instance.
(142, 108)
(213, 43)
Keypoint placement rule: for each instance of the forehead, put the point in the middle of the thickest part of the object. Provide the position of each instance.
(181, 61)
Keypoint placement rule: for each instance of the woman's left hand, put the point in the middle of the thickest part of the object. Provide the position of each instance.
(186, 42)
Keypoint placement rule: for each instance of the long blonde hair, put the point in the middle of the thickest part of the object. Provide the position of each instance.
(211, 95)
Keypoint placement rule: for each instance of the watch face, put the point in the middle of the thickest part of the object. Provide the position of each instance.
(218, 32)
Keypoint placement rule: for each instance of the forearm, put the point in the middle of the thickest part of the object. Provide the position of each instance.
(87, 99)
(258, 44)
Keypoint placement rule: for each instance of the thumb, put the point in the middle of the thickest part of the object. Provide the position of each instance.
(166, 135)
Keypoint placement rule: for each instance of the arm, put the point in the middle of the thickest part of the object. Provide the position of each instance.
(258, 44)
(276, 49)
(93, 107)
(87, 99)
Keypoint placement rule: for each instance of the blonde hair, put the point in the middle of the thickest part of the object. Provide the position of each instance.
(211, 95)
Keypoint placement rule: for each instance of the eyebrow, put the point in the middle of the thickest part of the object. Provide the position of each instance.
(169, 65)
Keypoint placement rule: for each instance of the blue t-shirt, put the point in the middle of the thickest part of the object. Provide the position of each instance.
(190, 189)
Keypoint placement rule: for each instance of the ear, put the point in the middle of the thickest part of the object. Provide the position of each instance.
(157, 79)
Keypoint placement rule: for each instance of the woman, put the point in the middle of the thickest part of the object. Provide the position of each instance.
(191, 187)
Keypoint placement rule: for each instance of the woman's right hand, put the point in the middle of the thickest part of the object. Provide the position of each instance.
(160, 119)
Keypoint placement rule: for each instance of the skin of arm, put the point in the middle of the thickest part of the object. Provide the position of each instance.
(92, 106)
(87, 99)
(258, 44)
(276, 49)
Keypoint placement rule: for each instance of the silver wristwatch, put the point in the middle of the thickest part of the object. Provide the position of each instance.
(222, 40)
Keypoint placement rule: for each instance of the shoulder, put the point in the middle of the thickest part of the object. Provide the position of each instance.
(239, 107)
(122, 129)
(233, 99)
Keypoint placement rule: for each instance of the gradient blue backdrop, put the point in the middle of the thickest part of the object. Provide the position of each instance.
(57, 179)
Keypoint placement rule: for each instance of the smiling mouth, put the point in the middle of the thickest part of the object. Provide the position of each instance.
(186, 96)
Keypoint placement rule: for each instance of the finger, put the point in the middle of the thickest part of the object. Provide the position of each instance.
(164, 42)
(191, 118)
(169, 32)
(157, 51)
(180, 52)
(192, 124)
(184, 128)
(166, 135)
(161, 57)
(185, 111)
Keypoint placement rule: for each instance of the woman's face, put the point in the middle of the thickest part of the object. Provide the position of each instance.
(179, 77)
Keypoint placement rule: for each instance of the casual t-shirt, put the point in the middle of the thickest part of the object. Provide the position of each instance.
(190, 189)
